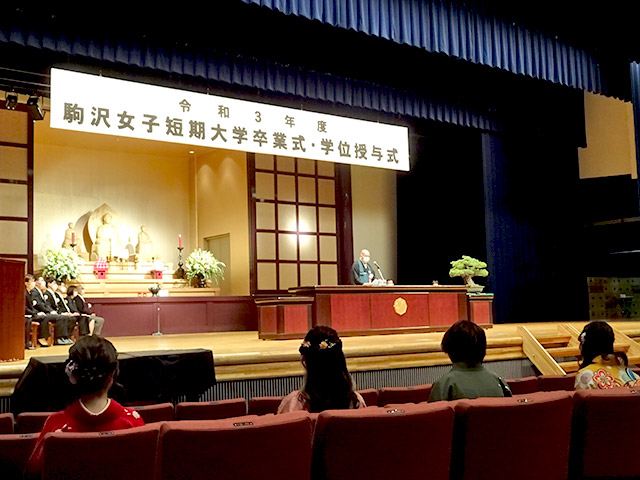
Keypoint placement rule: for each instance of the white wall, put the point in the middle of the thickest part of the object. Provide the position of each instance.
(375, 224)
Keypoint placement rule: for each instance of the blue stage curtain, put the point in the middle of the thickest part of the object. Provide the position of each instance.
(263, 75)
(441, 26)
(533, 227)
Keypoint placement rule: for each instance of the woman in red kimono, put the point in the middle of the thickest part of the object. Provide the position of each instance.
(92, 367)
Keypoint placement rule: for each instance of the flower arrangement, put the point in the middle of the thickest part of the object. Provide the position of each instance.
(62, 264)
(202, 264)
(467, 268)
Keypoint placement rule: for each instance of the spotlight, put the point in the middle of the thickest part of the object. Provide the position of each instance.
(34, 108)
(11, 100)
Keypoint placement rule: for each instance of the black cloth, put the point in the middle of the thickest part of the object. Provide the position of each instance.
(82, 305)
(154, 376)
(361, 273)
(29, 309)
(83, 320)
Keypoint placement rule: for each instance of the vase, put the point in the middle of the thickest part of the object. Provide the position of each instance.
(200, 281)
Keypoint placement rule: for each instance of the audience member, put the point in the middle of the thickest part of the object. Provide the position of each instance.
(92, 368)
(327, 383)
(601, 367)
(47, 314)
(466, 344)
(29, 310)
(84, 308)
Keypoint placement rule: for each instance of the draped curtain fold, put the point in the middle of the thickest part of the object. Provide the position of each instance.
(263, 75)
(440, 26)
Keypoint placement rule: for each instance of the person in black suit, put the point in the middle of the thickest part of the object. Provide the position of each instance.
(46, 308)
(29, 310)
(85, 309)
(71, 307)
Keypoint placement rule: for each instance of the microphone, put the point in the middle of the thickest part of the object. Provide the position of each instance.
(379, 270)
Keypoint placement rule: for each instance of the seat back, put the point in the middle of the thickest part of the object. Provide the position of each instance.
(497, 436)
(122, 454)
(413, 394)
(31, 422)
(15, 450)
(409, 442)
(370, 396)
(160, 412)
(6, 423)
(520, 386)
(605, 433)
(264, 405)
(265, 447)
(549, 383)
(234, 407)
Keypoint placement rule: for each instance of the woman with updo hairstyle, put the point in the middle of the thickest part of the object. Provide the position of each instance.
(92, 368)
(601, 367)
(327, 382)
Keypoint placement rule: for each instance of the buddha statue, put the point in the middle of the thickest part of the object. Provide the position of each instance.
(144, 248)
(69, 237)
(105, 244)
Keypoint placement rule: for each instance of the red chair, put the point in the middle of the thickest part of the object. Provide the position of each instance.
(549, 383)
(520, 386)
(15, 450)
(122, 454)
(265, 447)
(6, 423)
(414, 394)
(235, 407)
(31, 422)
(264, 405)
(605, 434)
(370, 396)
(161, 412)
(409, 442)
(498, 437)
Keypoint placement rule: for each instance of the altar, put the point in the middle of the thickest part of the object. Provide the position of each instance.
(359, 310)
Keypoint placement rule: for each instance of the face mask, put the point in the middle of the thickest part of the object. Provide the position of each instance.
(366, 259)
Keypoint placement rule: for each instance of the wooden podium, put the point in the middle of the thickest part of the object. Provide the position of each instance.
(357, 310)
(11, 310)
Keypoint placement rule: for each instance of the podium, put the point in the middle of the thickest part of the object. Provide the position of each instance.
(11, 310)
(359, 310)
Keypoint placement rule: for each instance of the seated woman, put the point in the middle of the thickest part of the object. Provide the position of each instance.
(466, 344)
(601, 367)
(92, 368)
(327, 383)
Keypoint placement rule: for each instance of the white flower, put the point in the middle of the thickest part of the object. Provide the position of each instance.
(202, 262)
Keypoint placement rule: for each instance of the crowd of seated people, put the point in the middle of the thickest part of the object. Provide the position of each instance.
(328, 384)
(92, 368)
(47, 302)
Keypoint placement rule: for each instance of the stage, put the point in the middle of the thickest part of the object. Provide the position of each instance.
(242, 356)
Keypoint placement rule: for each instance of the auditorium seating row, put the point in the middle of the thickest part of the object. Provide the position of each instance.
(543, 435)
(31, 422)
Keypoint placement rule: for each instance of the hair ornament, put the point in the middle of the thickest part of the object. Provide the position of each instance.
(323, 345)
(70, 370)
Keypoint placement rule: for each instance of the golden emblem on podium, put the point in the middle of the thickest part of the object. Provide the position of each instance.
(400, 306)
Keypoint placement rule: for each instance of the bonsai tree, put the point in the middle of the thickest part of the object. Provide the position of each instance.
(467, 268)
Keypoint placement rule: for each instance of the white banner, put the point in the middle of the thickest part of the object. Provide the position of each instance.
(95, 104)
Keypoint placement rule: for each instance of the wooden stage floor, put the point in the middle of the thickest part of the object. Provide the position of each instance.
(241, 355)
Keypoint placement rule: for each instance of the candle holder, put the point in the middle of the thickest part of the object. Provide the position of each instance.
(180, 273)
